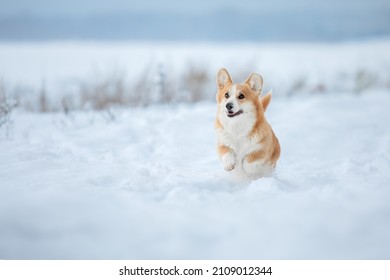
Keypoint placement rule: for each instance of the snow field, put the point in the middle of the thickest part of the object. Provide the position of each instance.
(146, 183)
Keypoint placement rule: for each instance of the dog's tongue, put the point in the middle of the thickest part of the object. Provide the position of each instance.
(232, 114)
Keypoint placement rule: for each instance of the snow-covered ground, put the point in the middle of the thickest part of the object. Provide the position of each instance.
(147, 184)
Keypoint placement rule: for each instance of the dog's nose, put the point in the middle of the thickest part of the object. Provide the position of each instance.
(229, 106)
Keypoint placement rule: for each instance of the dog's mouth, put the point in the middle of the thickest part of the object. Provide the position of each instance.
(231, 114)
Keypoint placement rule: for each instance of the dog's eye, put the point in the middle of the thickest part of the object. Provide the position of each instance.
(241, 96)
(227, 95)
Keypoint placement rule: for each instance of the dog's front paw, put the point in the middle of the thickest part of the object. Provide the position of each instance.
(229, 161)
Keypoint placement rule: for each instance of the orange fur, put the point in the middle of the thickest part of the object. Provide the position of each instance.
(222, 150)
(257, 155)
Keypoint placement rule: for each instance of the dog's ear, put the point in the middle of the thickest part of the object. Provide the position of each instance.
(255, 82)
(223, 78)
(264, 100)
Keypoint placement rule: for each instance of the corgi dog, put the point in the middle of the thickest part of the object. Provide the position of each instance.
(247, 145)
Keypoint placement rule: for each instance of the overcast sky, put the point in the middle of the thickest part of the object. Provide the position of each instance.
(88, 7)
(201, 19)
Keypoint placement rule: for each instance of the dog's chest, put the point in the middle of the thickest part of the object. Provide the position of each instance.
(240, 144)
(235, 134)
(239, 141)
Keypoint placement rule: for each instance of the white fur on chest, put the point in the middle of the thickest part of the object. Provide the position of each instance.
(235, 135)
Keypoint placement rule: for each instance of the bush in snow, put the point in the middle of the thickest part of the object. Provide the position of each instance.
(6, 107)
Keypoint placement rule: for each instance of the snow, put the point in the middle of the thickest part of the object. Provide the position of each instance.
(145, 183)
(286, 68)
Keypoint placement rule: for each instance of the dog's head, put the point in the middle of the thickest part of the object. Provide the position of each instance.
(236, 100)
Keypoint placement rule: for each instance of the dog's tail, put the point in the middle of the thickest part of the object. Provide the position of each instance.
(265, 99)
(261, 95)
